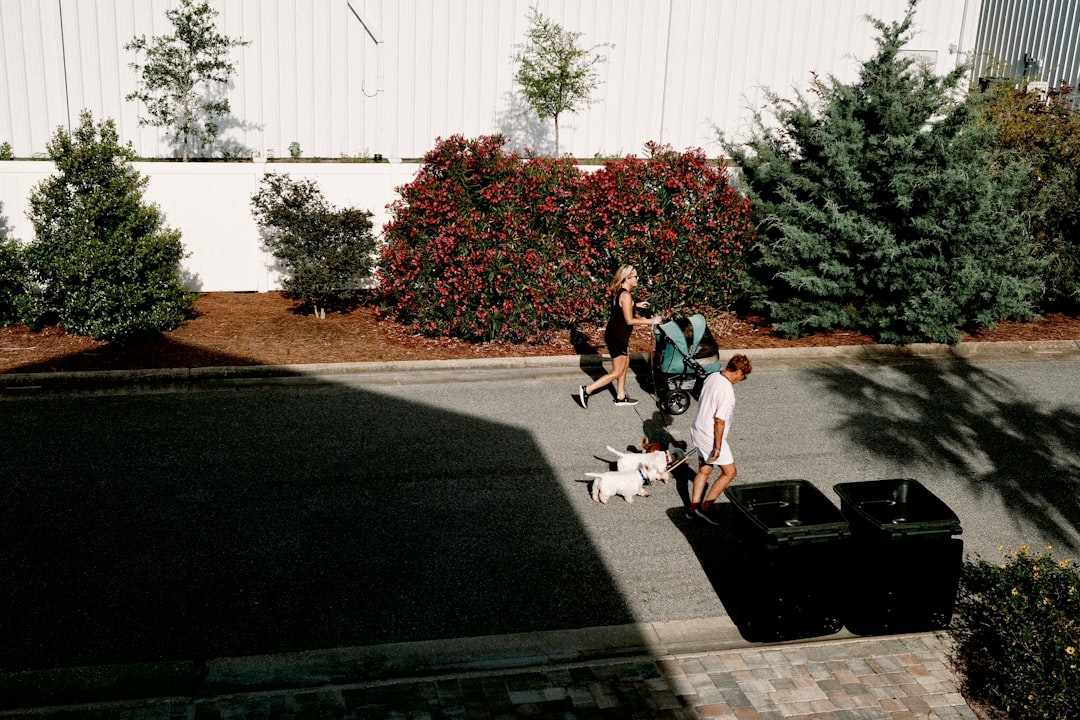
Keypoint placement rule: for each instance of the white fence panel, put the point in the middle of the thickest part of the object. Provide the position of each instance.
(210, 203)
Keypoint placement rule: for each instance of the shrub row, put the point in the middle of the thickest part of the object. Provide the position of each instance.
(486, 245)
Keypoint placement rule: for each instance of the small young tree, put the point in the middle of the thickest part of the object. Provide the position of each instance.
(556, 74)
(880, 208)
(183, 79)
(102, 262)
(327, 255)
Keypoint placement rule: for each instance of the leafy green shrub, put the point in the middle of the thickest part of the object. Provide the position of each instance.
(12, 281)
(1017, 635)
(478, 248)
(881, 209)
(327, 255)
(102, 263)
(5, 151)
(1044, 131)
(675, 217)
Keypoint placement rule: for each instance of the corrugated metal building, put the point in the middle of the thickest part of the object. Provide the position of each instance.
(1038, 40)
(360, 77)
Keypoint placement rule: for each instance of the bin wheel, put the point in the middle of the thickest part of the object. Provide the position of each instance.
(675, 402)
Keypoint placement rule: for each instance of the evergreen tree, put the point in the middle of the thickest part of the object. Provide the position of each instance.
(879, 208)
(102, 263)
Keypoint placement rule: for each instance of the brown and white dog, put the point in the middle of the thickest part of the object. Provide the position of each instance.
(650, 446)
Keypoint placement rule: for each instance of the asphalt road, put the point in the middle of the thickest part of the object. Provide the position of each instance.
(283, 515)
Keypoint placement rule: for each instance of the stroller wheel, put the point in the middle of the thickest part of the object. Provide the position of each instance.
(675, 402)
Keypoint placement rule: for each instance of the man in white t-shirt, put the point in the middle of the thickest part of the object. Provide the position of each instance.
(709, 434)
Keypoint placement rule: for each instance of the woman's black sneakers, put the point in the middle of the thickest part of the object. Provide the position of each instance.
(583, 397)
(625, 401)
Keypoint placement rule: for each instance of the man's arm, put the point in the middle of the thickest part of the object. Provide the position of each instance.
(718, 438)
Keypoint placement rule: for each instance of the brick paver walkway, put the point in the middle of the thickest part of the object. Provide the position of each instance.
(895, 678)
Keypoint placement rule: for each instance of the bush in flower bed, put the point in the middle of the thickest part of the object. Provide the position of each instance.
(485, 245)
(676, 218)
(12, 280)
(326, 254)
(1017, 635)
(477, 246)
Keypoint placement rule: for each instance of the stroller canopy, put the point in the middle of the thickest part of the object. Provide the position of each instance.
(687, 342)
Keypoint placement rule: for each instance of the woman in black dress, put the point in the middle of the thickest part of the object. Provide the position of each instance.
(621, 323)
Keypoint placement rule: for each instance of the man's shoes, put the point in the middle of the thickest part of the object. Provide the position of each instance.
(698, 512)
(627, 400)
(583, 397)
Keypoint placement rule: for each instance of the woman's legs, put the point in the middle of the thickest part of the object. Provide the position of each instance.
(619, 365)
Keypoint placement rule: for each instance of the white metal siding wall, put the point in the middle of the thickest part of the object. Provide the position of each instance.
(314, 75)
(1048, 30)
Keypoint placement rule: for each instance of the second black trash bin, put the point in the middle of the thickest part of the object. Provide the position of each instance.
(789, 569)
(905, 564)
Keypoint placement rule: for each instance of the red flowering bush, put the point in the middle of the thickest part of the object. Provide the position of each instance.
(676, 218)
(484, 245)
(477, 246)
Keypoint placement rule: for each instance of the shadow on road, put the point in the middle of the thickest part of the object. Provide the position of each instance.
(165, 526)
(976, 424)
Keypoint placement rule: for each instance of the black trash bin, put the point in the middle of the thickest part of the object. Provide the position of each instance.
(905, 562)
(791, 545)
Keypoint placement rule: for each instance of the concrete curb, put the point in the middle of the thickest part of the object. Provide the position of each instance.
(373, 664)
(11, 383)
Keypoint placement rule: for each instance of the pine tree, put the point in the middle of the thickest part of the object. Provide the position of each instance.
(879, 208)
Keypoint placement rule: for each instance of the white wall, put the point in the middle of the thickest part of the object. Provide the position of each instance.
(359, 77)
(210, 204)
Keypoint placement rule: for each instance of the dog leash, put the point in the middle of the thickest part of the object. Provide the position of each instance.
(685, 457)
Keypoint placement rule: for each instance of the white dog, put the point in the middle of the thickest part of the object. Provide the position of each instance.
(627, 483)
(659, 460)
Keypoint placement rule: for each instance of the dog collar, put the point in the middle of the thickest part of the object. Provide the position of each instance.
(642, 474)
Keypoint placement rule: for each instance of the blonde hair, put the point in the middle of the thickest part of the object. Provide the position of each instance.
(620, 276)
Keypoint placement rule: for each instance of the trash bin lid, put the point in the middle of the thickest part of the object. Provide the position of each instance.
(898, 507)
(789, 510)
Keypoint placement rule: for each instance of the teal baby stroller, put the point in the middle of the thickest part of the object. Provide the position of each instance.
(685, 354)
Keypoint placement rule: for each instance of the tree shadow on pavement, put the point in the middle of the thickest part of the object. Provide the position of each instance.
(973, 423)
(245, 520)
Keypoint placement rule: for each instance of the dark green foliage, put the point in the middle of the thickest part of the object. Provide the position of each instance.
(1016, 635)
(1044, 131)
(102, 263)
(12, 281)
(879, 208)
(326, 255)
